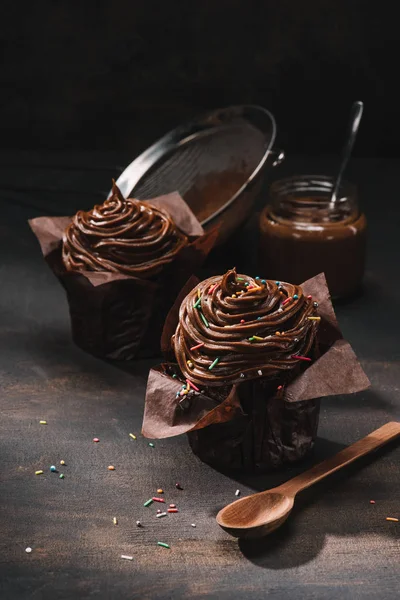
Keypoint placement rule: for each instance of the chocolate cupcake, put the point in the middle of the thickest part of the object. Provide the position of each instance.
(249, 355)
(122, 264)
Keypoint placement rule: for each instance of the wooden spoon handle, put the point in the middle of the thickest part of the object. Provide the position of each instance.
(371, 442)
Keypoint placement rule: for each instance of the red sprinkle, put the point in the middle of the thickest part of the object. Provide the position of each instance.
(301, 357)
(287, 301)
(192, 385)
(172, 505)
(242, 321)
(172, 510)
(158, 499)
(212, 288)
(96, 439)
(196, 347)
(280, 387)
(372, 501)
(309, 297)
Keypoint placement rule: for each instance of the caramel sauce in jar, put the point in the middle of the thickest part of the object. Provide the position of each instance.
(302, 233)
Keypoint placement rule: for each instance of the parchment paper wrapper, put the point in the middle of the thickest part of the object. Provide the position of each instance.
(253, 425)
(116, 316)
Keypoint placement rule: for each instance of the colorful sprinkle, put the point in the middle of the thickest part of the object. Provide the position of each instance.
(204, 319)
(43, 422)
(190, 364)
(309, 297)
(213, 364)
(62, 462)
(155, 499)
(258, 338)
(196, 347)
(240, 278)
(263, 281)
(287, 301)
(138, 523)
(173, 510)
(28, 550)
(192, 385)
(212, 288)
(295, 297)
(242, 375)
(61, 476)
(198, 293)
(234, 296)
(38, 472)
(251, 338)
(115, 521)
(148, 502)
(111, 468)
(314, 318)
(163, 545)
(301, 357)
(237, 493)
(393, 519)
(315, 304)
(160, 491)
(53, 469)
(96, 440)
(133, 436)
(280, 387)
(278, 282)
(372, 501)
(259, 372)
(126, 557)
(161, 514)
(172, 505)
(151, 444)
(242, 321)
(197, 303)
(193, 524)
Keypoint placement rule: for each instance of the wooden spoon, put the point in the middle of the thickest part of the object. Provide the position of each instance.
(262, 513)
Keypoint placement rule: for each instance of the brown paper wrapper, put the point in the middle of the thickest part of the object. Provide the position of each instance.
(116, 316)
(253, 425)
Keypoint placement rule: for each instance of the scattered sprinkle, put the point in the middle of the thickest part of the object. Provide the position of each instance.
(277, 333)
(258, 338)
(151, 444)
(38, 472)
(126, 557)
(43, 422)
(61, 476)
(315, 304)
(172, 505)
(161, 514)
(372, 501)
(256, 278)
(196, 347)
(53, 469)
(111, 468)
(190, 384)
(259, 372)
(173, 510)
(242, 321)
(115, 521)
(28, 549)
(240, 278)
(178, 486)
(237, 493)
(204, 319)
(159, 510)
(193, 524)
(197, 303)
(163, 545)
(148, 502)
(309, 297)
(295, 297)
(280, 387)
(213, 364)
(287, 301)
(251, 338)
(96, 440)
(62, 462)
(301, 357)
(278, 282)
(212, 288)
(247, 283)
(174, 376)
(242, 375)
(314, 318)
(134, 436)
(155, 499)
(190, 364)
(393, 519)
(138, 523)
(263, 281)
(234, 296)
(160, 491)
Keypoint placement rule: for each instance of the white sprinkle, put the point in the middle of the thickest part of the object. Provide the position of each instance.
(259, 372)
(237, 493)
(126, 557)
(164, 514)
(241, 374)
(138, 523)
(193, 524)
(28, 550)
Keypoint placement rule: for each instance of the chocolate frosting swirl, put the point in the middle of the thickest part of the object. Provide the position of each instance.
(236, 327)
(122, 236)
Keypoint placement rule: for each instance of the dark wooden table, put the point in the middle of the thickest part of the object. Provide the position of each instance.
(335, 545)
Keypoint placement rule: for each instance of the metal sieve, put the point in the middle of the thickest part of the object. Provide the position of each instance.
(215, 162)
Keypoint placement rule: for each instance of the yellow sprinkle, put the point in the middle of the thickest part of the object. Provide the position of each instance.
(314, 318)
(160, 491)
(111, 468)
(115, 521)
(277, 333)
(190, 364)
(257, 337)
(43, 422)
(233, 295)
(198, 293)
(62, 462)
(392, 519)
(132, 436)
(38, 472)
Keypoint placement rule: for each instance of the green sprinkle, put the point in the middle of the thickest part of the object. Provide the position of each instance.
(240, 278)
(252, 339)
(216, 361)
(62, 476)
(174, 376)
(197, 303)
(148, 502)
(151, 444)
(163, 545)
(204, 320)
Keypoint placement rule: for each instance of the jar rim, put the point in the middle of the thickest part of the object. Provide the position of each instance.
(322, 184)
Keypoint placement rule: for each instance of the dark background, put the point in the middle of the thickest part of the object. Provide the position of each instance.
(117, 75)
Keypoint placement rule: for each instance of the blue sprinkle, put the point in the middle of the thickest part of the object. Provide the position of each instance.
(246, 283)
(295, 297)
(263, 281)
(53, 469)
(258, 318)
(256, 278)
(278, 282)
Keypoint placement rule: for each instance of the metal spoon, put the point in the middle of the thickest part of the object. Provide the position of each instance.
(262, 513)
(355, 118)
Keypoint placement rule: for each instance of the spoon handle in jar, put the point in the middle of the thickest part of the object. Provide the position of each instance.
(371, 442)
(355, 118)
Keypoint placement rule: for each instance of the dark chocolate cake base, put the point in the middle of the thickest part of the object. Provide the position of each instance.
(271, 433)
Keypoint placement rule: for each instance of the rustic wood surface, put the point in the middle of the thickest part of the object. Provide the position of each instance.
(335, 544)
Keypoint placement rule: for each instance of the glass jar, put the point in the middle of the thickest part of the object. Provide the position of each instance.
(302, 233)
